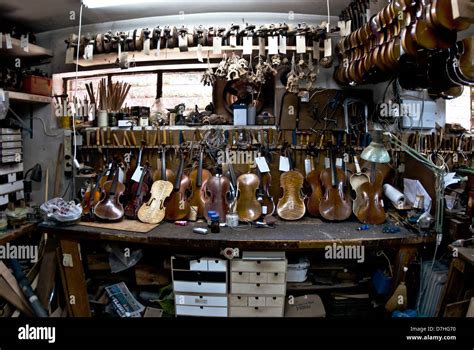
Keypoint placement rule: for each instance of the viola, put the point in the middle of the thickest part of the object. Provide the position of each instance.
(335, 205)
(154, 211)
(110, 208)
(177, 205)
(139, 193)
(291, 205)
(215, 194)
(248, 207)
(368, 207)
(198, 177)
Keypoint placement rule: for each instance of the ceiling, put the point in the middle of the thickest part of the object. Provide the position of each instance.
(45, 15)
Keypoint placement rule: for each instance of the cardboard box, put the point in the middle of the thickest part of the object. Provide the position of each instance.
(305, 306)
(37, 85)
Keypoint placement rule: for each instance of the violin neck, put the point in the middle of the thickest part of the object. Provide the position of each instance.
(199, 174)
(179, 175)
(163, 165)
(373, 172)
(140, 183)
(333, 167)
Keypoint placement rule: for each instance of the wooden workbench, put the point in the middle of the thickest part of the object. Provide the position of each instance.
(304, 235)
(13, 234)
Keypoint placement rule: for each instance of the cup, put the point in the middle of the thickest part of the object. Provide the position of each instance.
(102, 119)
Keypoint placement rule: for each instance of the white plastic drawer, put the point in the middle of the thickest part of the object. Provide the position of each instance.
(216, 265)
(185, 310)
(200, 287)
(198, 265)
(201, 300)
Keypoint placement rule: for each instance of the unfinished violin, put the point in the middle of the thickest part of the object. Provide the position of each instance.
(291, 205)
(110, 208)
(153, 211)
(335, 205)
(248, 207)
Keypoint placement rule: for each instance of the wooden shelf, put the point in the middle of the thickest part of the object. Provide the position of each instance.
(27, 98)
(169, 55)
(189, 128)
(34, 51)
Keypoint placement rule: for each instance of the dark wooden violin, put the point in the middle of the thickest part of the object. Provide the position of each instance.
(215, 194)
(139, 194)
(368, 206)
(128, 177)
(335, 205)
(248, 207)
(177, 205)
(198, 177)
(263, 194)
(110, 208)
(313, 180)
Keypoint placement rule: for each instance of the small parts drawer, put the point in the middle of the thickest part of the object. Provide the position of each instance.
(199, 276)
(202, 264)
(240, 277)
(268, 301)
(200, 287)
(236, 311)
(185, 310)
(258, 289)
(201, 300)
(258, 266)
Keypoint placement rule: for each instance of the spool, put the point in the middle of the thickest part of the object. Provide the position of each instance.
(232, 220)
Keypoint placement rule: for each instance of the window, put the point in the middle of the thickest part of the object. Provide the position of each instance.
(185, 87)
(458, 110)
(143, 90)
(81, 87)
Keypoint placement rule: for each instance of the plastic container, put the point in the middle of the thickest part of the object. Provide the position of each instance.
(298, 272)
(215, 223)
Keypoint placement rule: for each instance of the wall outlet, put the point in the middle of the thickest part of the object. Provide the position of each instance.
(68, 154)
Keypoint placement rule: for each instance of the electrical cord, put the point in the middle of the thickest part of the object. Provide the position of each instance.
(38, 118)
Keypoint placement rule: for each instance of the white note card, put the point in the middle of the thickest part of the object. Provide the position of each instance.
(282, 47)
(24, 44)
(273, 45)
(217, 45)
(262, 164)
(8, 39)
(327, 48)
(308, 167)
(89, 53)
(137, 174)
(300, 44)
(199, 53)
(342, 28)
(233, 41)
(284, 164)
(158, 52)
(261, 46)
(146, 47)
(248, 42)
(339, 162)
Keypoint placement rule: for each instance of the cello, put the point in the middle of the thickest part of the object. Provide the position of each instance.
(177, 205)
(335, 205)
(110, 208)
(368, 207)
(198, 177)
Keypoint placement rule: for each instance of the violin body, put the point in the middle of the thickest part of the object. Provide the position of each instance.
(335, 205)
(138, 195)
(214, 194)
(312, 202)
(110, 208)
(91, 198)
(368, 206)
(153, 211)
(195, 200)
(291, 204)
(266, 199)
(248, 207)
(177, 204)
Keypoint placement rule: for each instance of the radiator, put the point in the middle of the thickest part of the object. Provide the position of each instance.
(432, 282)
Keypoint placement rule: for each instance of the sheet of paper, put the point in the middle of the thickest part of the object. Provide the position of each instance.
(70, 55)
(24, 43)
(300, 44)
(137, 174)
(413, 188)
(146, 47)
(327, 48)
(262, 164)
(282, 45)
(273, 45)
(261, 46)
(233, 41)
(247, 45)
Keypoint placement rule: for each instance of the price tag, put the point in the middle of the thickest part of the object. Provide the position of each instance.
(327, 163)
(284, 164)
(339, 162)
(348, 27)
(121, 177)
(300, 44)
(199, 53)
(146, 47)
(248, 43)
(1, 40)
(8, 39)
(262, 164)
(158, 51)
(261, 46)
(308, 166)
(217, 45)
(233, 41)
(70, 55)
(264, 210)
(24, 44)
(327, 48)
(89, 52)
(273, 45)
(137, 174)
(282, 47)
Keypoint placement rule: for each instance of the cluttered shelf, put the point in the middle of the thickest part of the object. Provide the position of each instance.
(13, 234)
(310, 234)
(33, 51)
(27, 98)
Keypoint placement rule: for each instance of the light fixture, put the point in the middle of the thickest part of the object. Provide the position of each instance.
(92, 4)
(376, 152)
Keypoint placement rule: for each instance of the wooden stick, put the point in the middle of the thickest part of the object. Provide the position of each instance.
(57, 179)
(46, 186)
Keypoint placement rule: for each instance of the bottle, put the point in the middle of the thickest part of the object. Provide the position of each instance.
(215, 224)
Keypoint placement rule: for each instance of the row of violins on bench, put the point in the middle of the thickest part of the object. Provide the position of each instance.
(166, 194)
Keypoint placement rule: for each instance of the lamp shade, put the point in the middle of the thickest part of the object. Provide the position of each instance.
(376, 152)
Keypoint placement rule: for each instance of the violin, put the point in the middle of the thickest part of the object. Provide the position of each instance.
(91, 198)
(335, 205)
(312, 201)
(248, 207)
(128, 177)
(368, 207)
(154, 211)
(198, 177)
(263, 194)
(138, 194)
(110, 208)
(215, 194)
(177, 205)
(164, 173)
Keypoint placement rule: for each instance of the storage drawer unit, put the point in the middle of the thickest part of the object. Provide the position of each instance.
(200, 286)
(257, 288)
